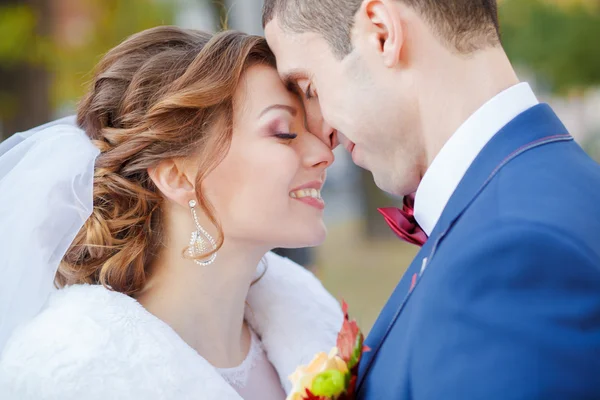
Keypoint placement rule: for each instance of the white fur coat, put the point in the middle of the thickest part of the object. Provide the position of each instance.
(91, 343)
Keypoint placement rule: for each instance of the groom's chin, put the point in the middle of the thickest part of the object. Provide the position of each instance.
(357, 158)
(385, 181)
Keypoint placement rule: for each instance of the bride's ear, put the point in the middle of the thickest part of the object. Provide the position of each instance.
(173, 181)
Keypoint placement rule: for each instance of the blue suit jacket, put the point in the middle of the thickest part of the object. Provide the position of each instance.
(507, 300)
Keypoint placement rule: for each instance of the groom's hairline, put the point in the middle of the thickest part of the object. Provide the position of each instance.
(280, 9)
(486, 28)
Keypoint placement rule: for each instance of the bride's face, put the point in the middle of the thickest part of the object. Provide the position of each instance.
(266, 191)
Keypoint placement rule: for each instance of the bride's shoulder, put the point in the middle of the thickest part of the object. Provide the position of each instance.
(85, 334)
(77, 317)
(74, 316)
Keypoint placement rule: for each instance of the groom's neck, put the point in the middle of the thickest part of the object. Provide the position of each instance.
(456, 87)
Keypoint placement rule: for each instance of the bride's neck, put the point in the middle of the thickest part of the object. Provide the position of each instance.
(205, 304)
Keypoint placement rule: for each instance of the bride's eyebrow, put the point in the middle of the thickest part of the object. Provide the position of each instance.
(290, 109)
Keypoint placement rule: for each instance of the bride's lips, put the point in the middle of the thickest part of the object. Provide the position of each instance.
(310, 194)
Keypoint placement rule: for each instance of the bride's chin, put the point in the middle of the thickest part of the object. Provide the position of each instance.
(309, 238)
(318, 236)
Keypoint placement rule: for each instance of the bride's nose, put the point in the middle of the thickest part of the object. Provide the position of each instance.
(316, 153)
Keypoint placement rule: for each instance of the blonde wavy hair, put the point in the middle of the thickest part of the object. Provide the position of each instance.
(163, 93)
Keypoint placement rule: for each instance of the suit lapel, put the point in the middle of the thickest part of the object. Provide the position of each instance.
(395, 304)
(533, 128)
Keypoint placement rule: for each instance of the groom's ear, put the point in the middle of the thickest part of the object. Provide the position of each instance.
(378, 27)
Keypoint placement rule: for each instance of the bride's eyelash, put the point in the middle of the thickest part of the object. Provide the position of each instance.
(286, 136)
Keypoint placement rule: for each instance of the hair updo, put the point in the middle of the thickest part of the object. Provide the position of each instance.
(163, 93)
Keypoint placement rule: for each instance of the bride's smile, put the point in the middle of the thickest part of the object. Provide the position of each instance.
(310, 194)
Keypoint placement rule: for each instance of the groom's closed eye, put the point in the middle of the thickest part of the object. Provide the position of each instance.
(299, 79)
(308, 93)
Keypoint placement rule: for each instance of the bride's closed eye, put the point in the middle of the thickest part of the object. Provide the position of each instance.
(286, 136)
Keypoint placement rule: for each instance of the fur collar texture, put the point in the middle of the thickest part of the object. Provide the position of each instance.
(92, 343)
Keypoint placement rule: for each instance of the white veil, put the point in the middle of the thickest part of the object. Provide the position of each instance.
(46, 186)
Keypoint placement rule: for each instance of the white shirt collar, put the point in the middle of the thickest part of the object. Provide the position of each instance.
(451, 164)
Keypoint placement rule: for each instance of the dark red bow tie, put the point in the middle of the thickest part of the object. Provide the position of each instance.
(403, 222)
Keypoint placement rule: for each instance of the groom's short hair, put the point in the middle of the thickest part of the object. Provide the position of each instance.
(467, 25)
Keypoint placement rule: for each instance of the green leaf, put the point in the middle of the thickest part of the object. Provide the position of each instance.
(357, 352)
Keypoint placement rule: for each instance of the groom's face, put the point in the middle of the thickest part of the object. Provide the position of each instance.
(350, 101)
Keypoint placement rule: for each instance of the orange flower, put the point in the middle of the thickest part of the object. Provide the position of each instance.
(305, 375)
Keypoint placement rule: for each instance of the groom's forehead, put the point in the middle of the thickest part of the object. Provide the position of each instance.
(284, 49)
(289, 44)
(294, 51)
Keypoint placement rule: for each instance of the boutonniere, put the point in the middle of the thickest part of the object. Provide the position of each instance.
(332, 376)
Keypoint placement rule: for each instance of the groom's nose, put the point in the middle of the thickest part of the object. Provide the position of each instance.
(328, 135)
(334, 140)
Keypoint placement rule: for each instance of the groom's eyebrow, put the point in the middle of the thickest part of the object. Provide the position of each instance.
(290, 78)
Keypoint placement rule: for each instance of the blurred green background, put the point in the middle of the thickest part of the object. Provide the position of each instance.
(49, 47)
